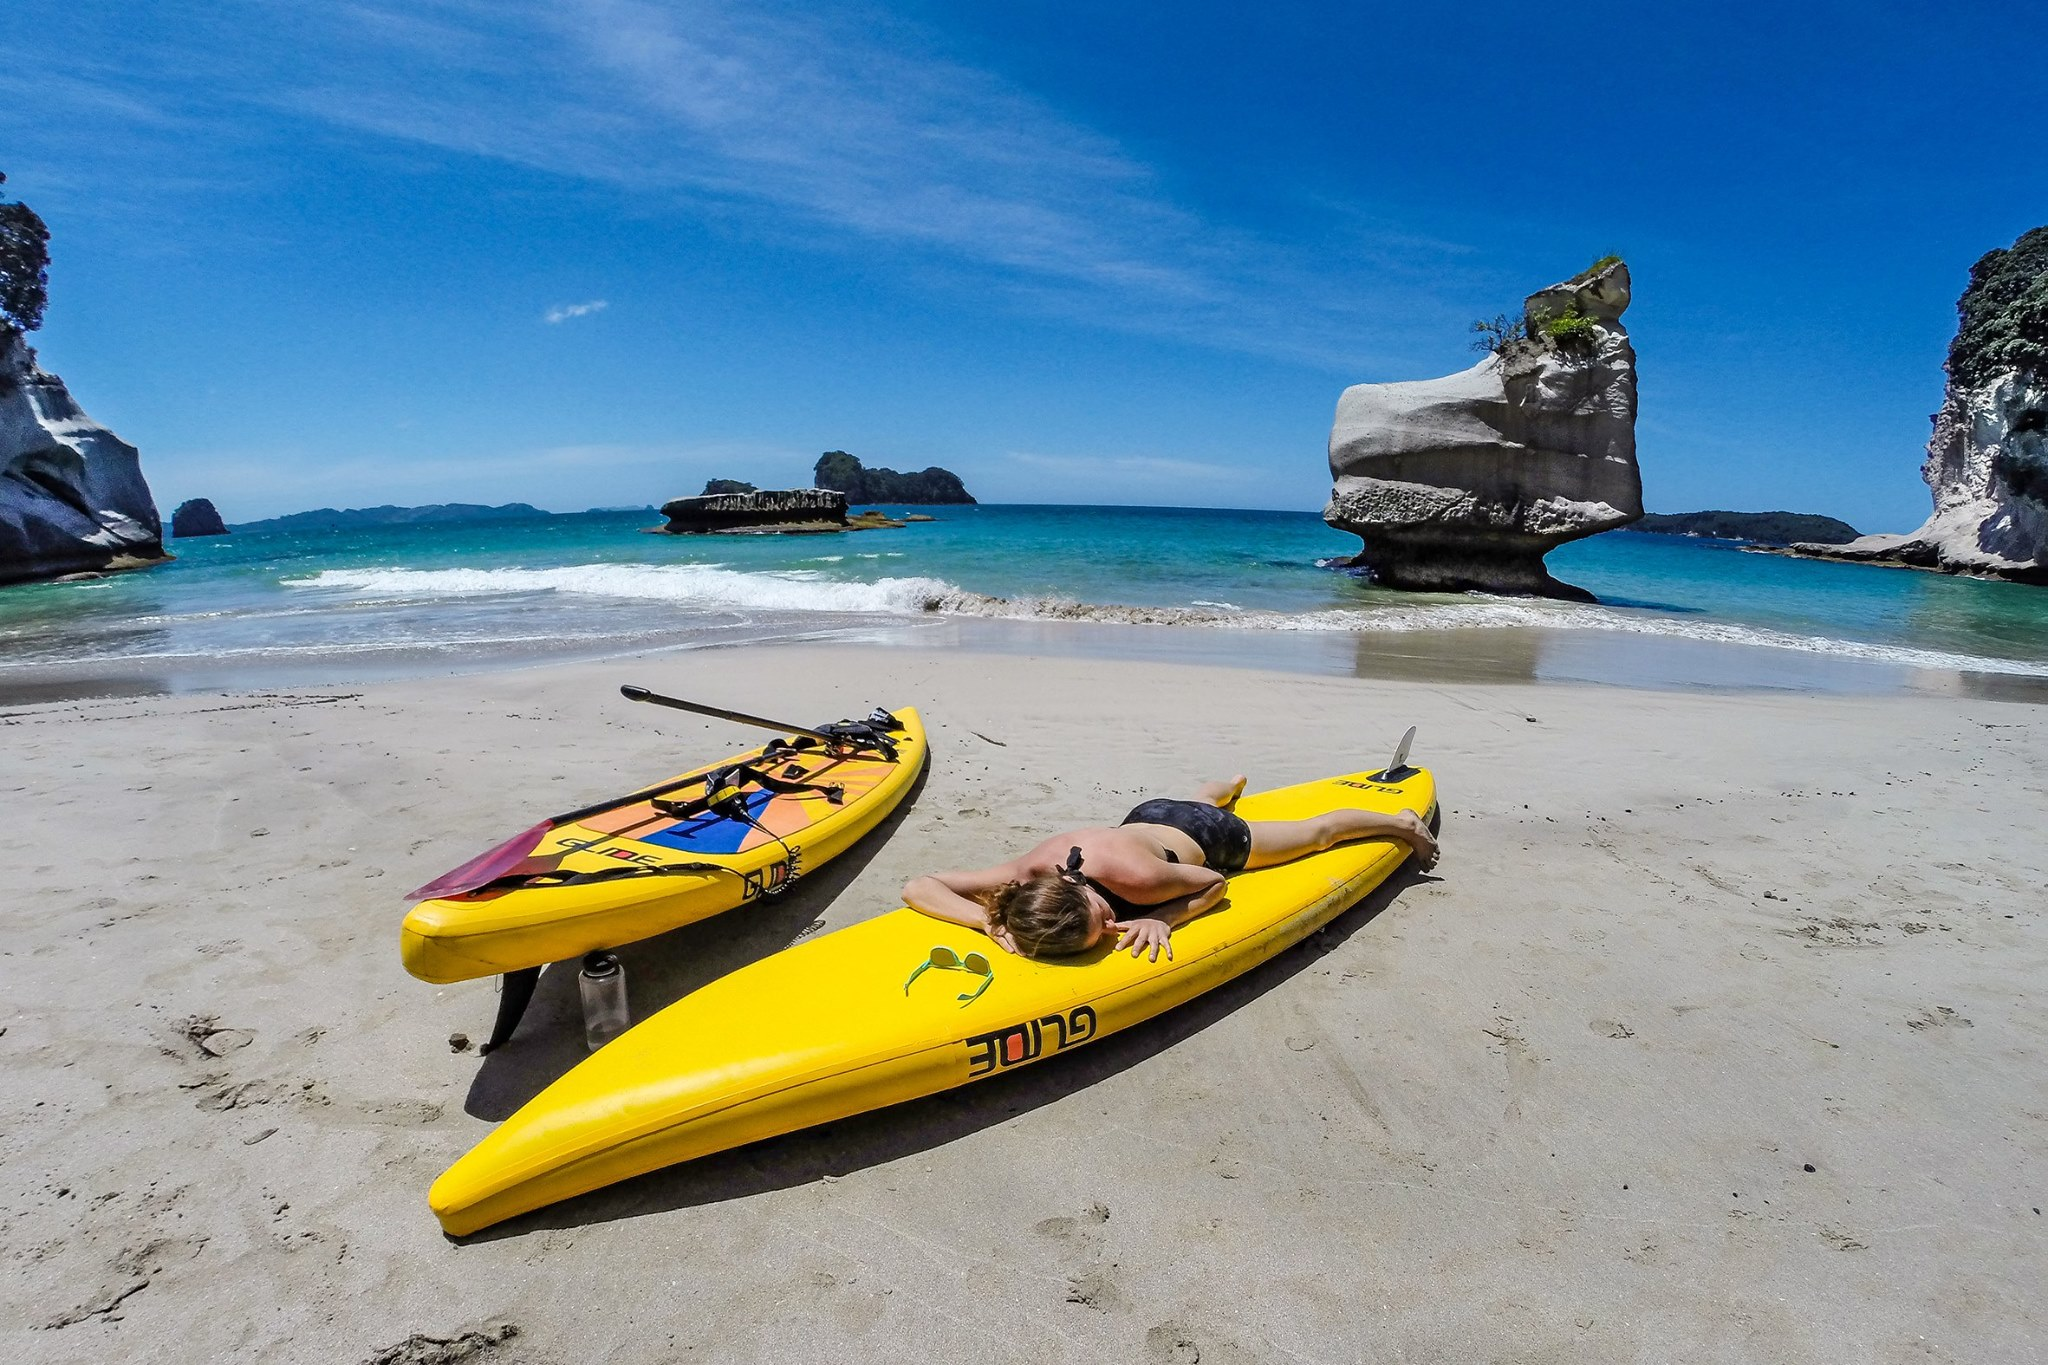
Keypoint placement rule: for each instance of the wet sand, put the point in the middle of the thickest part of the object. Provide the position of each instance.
(1554, 1101)
(1500, 654)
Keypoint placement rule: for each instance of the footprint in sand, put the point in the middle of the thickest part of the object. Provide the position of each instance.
(204, 1031)
(421, 1349)
(1096, 1289)
(1095, 1284)
(1170, 1344)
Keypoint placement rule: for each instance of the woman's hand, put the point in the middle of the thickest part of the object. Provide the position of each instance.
(1140, 934)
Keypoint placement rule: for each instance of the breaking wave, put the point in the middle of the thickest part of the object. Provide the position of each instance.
(804, 590)
(694, 585)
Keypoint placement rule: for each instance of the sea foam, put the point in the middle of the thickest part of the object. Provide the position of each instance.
(704, 585)
(808, 590)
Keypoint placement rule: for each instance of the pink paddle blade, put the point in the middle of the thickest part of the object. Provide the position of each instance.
(485, 868)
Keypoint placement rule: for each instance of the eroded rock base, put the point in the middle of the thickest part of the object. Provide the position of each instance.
(1428, 565)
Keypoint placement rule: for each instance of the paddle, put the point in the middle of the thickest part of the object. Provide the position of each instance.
(488, 867)
(631, 693)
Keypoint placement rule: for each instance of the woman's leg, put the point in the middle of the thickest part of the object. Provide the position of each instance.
(1282, 841)
(1221, 794)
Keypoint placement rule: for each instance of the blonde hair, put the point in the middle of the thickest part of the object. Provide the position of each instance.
(1045, 916)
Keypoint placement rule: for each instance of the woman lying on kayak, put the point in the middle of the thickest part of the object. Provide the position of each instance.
(1161, 867)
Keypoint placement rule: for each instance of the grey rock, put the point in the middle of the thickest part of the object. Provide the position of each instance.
(197, 517)
(763, 510)
(72, 495)
(1466, 482)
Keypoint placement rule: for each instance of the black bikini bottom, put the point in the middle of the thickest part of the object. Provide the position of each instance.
(1225, 839)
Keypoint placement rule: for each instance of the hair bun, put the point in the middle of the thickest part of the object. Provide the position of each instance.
(995, 902)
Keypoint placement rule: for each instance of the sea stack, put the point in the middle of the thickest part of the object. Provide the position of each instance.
(72, 495)
(931, 486)
(197, 517)
(1464, 483)
(1987, 465)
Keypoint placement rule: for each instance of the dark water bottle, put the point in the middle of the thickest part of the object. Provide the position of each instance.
(603, 984)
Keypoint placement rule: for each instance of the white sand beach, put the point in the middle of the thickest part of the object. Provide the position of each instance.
(1717, 1035)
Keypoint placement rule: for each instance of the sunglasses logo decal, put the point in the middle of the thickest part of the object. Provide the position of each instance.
(1025, 1042)
(768, 880)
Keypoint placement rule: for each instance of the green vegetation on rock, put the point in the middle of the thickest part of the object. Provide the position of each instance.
(24, 267)
(1590, 271)
(2004, 314)
(1764, 528)
(838, 470)
(1570, 328)
(714, 487)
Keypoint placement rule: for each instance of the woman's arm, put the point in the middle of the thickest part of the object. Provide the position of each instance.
(950, 895)
(1156, 922)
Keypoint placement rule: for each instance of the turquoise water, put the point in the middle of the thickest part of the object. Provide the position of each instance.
(341, 604)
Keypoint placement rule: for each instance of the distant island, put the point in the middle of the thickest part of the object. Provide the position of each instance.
(1763, 528)
(330, 518)
(838, 470)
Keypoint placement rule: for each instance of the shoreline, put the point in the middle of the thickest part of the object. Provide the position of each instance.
(1529, 655)
(1558, 1095)
(293, 609)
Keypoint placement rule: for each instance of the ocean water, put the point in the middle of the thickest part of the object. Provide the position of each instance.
(268, 607)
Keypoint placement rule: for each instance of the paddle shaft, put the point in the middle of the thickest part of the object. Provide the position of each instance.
(480, 871)
(644, 794)
(631, 693)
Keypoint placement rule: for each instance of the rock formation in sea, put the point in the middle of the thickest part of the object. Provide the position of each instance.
(1987, 465)
(837, 469)
(821, 509)
(1466, 482)
(72, 495)
(197, 517)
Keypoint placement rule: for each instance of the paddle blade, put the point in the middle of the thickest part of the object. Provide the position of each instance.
(487, 867)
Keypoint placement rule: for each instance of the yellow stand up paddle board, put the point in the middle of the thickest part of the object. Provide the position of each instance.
(848, 1022)
(642, 868)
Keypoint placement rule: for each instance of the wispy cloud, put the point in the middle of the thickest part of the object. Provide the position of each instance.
(574, 310)
(853, 129)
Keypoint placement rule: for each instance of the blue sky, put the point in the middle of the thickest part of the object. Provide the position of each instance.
(592, 252)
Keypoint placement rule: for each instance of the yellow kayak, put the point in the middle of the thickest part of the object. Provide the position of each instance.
(642, 869)
(838, 1026)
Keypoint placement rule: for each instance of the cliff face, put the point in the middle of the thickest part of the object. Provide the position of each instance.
(1987, 467)
(72, 495)
(1987, 464)
(1466, 482)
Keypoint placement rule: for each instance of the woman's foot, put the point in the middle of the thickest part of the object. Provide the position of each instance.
(1222, 794)
(1410, 830)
